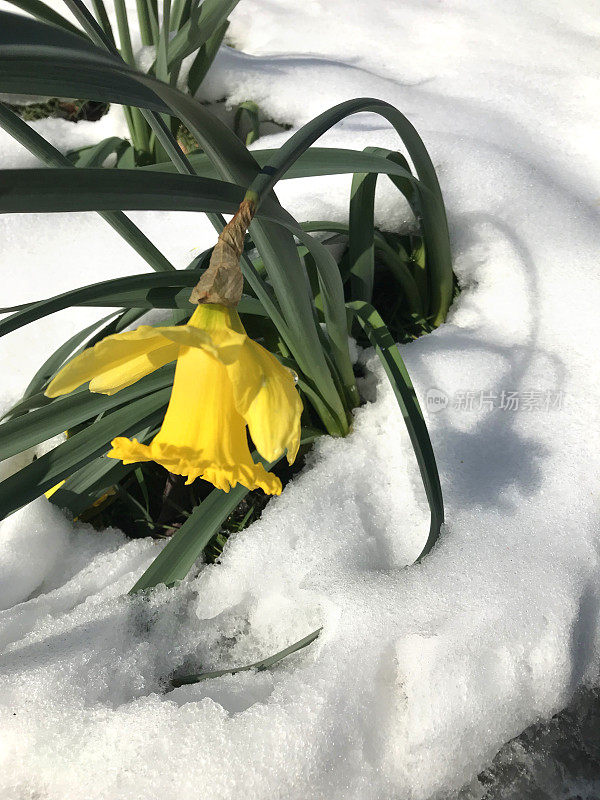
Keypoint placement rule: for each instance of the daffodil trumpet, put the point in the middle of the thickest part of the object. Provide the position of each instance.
(225, 383)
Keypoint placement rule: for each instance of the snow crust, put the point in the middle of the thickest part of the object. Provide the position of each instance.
(421, 673)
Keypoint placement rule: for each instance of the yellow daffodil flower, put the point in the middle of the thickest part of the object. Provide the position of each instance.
(224, 381)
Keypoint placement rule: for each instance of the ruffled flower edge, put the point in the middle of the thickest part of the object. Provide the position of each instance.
(189, 463)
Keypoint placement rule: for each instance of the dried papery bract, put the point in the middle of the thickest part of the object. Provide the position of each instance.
(222, 282)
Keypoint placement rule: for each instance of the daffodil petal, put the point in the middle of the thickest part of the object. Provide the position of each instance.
(123, 358)
(113, 380)
(109, 355)
(265, 396)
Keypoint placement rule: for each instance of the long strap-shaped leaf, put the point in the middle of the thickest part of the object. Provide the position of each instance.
(148, 22)
(204, 59)
(389, 255)
(96, 155)
(37, 145)
(44, 13)
(59, 190)
(96, 292)
(175, 560)
(310, 163)
(204, 21)
(361, 229)
(392, 362)
(81, 448)
(20, 433)
(432, 211)
(103, 20)
(266, 663)
(144, 291)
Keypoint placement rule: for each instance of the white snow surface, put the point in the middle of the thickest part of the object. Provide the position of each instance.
(421, 672)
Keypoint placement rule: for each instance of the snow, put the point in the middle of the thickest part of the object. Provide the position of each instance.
(421, 673)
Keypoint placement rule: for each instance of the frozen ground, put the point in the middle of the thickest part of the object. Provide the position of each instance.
(421, 673)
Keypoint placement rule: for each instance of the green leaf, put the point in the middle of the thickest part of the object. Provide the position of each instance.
(59, 190)
(176, 559)
(162, 49)
(250, 110)
(180, 13)
(290, 282)
(169, 297)
(103, 20)
(89, 24)
(63, 413)
(127, 159)
(37, 400)
(124, 33)
(388, 254)
(96, 155)
(204, 21)
(204, 59)
(44, 13)
(146, 290)
(148, 22)
(361, 230)
(332, 292)
(266, 663)
(86, 485)
(431, 209)
(95, 292)
(81, 448)
(394, 366)
(312, 162)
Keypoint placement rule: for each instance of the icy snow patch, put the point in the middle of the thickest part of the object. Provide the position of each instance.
(33, 540)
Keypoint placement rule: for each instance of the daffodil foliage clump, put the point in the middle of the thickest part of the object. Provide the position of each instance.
(253, 364)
